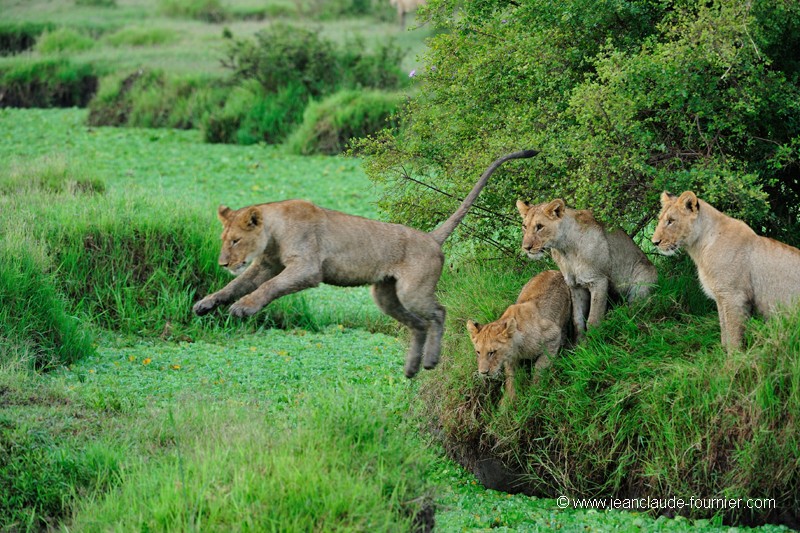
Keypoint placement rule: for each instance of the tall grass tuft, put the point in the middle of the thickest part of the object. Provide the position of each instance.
(153, 99)
(17, 37)
(649, 405)
(328, 467)
(47, 83)
(63, 40)
(330, 124)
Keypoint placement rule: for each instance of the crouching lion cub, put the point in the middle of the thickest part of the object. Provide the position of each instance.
(535, 327)
(739, 270)
(284, 247)
(593, 261)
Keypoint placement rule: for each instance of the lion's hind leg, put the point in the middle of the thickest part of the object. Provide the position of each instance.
(419, 297)
(385, 295)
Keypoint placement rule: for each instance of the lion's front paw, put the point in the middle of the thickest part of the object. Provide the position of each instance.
(205, 306)
(244, 307)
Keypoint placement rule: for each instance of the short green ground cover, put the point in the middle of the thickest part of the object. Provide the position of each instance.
(183, 423)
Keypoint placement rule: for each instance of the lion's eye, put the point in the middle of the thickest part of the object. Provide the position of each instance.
(539, 227)
(234, 242)
(524, 227)
(491, 354)
(670, 221)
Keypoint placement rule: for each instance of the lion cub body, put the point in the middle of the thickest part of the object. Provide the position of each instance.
(740, 270)
(535, 327)
(279, 248)
(593, 261)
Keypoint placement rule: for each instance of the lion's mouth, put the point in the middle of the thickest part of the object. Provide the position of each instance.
(238, 268)
(669, 249)
(535, 254)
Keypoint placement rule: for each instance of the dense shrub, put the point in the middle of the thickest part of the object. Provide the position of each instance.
(18, 37)
(329, 124)
(46, 83)
(282, 55)
(206, 10)
(623, 98)
(63, 40)
(648, 406)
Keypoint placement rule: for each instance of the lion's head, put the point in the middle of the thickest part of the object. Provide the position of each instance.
(676, 221)
(243, 237)
(493, 343)
(540, 225)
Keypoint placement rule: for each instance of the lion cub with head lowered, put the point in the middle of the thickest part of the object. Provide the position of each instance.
(593, 261)
(532, 328)
(284, 247)
(738, 269)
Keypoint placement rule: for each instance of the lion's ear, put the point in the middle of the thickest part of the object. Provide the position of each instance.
(473, 327)
(252, 218)
(667, 198)
(689, 201)
(223, 213)
(555, 209)
(523, 208)
(511, 326)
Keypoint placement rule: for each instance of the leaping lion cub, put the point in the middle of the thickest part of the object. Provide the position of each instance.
(533, 328)
(279, 248)
(592, 260)
(738, 269)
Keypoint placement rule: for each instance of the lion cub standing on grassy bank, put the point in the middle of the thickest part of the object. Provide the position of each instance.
(533, 328)
(738, 269)
(279, 248)
(592, 260)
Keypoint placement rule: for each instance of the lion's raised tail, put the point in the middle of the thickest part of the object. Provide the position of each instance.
(441, 233)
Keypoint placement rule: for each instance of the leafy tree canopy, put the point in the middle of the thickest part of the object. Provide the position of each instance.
(623, 98)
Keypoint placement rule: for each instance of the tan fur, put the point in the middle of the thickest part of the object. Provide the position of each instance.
(592, 260)
(739, 270)
(406, 6)
(535, 327)
(283, 247)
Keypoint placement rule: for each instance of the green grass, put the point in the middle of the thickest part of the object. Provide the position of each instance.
(648, 405)
(196, 46)
(173, 422)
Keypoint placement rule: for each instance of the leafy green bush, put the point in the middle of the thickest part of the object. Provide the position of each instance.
(648, 405)
(283, 55)
(63, 40)
(328, 125)
(18, 37)
(47, 83)
(206, 10)
(623, 98)
(140, 36)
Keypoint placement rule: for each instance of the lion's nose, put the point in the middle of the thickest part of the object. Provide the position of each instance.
(223, 264)
(655, 242)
